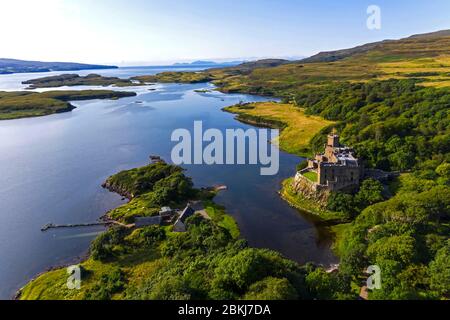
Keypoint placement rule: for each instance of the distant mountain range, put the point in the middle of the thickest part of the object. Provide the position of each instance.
(8, 66)
(204, 63)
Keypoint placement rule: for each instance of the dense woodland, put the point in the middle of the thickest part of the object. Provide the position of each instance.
(404, 227)
(394, 125)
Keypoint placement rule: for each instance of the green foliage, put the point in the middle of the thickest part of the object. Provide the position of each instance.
(342, 202)
(271, 289)
(206, 263)
(443, 171)
(370, 192)
(397, 248)
(311, 206)
(392, 124)
(167, 182)
(202, 236)
(105, 246)
(406, 236)
(440, 271)
(109, 284)
(327, 286)
(217, 214)
(150, 188)
(238, 272)
(146, 237)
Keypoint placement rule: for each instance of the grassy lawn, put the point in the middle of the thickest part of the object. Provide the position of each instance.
(299, 129)
(312, 176)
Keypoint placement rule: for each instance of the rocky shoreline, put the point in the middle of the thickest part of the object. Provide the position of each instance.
(116, 189)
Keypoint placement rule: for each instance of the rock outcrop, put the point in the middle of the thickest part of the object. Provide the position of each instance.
(311, 190)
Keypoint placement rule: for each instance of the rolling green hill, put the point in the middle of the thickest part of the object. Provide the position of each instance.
(424, 57)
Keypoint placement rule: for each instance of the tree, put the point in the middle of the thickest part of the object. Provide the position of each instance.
(444, 170)
(271, 289)
(109, 284)
(353, 259)
(444, 173)
(342, 202)
(326, 286)
(439, 271)
(102, 248)
(238, 272)
(396, 248)
(371, 192)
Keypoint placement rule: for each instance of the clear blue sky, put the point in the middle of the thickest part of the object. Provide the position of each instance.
(159, 31)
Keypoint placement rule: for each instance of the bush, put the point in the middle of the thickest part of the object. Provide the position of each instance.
(342, 202)
(109, 284)
(440, 271)
(271, 289)
(102, 248)
(370, 192)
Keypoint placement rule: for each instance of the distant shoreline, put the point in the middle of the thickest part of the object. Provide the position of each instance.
(12, 66)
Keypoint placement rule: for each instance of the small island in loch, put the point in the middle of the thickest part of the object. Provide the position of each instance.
(70, 80)
(21, 104)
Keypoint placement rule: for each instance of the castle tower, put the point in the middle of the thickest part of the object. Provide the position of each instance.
(333, 141)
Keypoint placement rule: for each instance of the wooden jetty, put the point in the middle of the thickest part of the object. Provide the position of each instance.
(78, 225)
(61, 226)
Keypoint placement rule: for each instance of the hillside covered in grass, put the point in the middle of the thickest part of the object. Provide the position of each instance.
(425, 58)
(14, 105)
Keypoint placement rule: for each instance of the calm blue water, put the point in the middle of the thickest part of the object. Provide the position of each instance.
(51, 169)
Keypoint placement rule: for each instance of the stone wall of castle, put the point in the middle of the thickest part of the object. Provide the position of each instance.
(339, 177)
(311, 190)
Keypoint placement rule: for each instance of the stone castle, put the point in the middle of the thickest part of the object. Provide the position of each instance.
(336, 170)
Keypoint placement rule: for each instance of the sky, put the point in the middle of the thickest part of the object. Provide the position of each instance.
(145, 32)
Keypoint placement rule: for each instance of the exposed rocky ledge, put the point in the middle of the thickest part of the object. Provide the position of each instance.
(311, 191)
